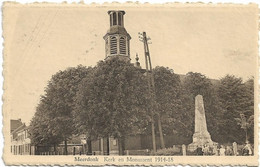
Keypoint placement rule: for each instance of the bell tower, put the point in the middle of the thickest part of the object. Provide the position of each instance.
(117, 40)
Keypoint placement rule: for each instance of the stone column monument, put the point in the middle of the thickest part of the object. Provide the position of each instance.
(201, 135)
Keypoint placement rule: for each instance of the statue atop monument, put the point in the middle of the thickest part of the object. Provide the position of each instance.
(201, 135)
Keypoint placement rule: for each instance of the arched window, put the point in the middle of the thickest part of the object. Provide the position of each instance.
(119, 18)
(113, 45)
(114, 18)
(111, 19)
(122, 44)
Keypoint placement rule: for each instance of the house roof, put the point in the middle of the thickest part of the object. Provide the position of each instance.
(17, 130)
(15, 124)
(22, 127)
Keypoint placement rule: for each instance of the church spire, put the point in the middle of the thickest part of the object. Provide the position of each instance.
(117, 40)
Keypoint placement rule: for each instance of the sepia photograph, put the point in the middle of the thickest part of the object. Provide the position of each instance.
(155, 84)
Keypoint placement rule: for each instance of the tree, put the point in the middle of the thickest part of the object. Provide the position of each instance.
(197, 84)
(83, 117)
(246, 119)
(235, 100)
(41, 127)
(250, 106)
(112, 102)
(167, 92)
(58, 103)
(183, 121)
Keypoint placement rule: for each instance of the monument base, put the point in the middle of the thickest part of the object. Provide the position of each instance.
(200, 140)
(114, 152)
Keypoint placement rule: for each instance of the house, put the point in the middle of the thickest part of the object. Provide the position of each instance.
(20, 141)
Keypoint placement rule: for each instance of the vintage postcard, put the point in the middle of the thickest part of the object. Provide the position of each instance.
(130, 84)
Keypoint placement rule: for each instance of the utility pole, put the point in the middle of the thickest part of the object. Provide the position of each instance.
(150, 81)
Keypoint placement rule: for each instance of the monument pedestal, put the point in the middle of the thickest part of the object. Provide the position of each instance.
(200, 139)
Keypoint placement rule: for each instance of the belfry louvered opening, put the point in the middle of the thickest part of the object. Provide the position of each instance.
(122, 45)
(106, 47)
(113, 45)
(128, 46)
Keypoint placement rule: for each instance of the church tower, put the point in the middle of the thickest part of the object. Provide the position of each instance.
(117, 39)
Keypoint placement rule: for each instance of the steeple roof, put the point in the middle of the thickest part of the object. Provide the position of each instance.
(117, 30)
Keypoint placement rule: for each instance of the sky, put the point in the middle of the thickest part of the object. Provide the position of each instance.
(40, 41)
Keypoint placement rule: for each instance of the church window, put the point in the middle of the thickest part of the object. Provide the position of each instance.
(113, 45)
(114, 18)
(111, 19)
(120, 18)
(122, 44)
